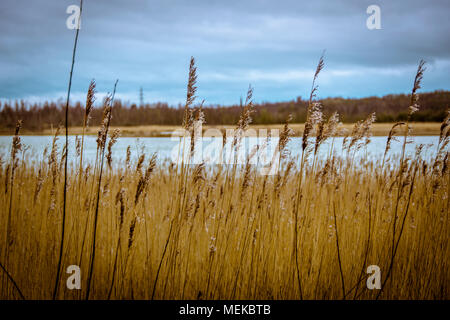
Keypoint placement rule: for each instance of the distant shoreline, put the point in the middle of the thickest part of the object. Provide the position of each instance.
(378, 129)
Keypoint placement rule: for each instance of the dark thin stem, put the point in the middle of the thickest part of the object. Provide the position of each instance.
(161, 261)
(338, 251)
(367, 250)
(296, 217)
(391, 266)
(8, 224)
(61, 246)
(12, 280)
(114, 268)
(91, 266)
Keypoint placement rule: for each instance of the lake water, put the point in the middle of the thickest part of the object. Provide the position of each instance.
(168, 148)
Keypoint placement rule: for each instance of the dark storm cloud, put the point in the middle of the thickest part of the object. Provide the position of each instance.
(272, 44)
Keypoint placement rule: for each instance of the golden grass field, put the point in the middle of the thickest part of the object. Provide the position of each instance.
(144, 229)
(232, 231)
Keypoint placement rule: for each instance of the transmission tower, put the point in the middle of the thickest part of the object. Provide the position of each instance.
(141, 96)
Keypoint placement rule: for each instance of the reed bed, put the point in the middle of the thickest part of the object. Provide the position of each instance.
(152, 229)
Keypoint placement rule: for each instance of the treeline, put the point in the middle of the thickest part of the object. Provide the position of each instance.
(39, 116)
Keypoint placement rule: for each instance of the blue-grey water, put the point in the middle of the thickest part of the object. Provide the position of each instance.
(169, 148)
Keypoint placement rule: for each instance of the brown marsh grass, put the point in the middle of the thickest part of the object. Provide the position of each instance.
(156, 230)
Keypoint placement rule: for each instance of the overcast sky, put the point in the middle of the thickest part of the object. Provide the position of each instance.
(273, 45)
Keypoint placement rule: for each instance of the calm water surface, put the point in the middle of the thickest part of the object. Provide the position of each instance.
(167, 148)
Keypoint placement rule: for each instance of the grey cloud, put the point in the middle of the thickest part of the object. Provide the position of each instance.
(148, 43)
